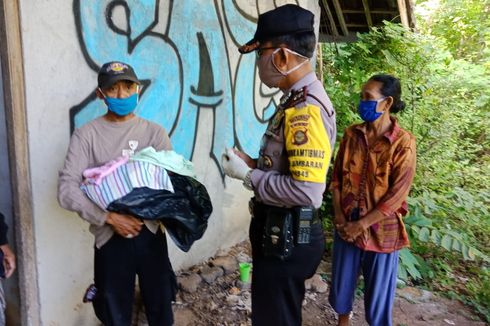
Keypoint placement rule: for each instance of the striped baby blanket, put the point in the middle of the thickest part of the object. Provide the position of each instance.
(124, 179)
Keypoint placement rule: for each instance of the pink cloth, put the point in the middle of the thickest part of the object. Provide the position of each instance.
(95, 175)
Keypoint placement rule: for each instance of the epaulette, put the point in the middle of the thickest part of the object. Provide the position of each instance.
(299, 96)
(293, 98)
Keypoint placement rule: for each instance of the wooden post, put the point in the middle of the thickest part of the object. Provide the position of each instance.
(367, 13)
(18, 148)
(335, 31)
(403, 13)
(340, 16)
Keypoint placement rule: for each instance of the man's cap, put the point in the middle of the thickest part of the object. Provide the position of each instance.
(285, 20)
(114, 71)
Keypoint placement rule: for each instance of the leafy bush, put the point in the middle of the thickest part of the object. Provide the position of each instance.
(462, 25)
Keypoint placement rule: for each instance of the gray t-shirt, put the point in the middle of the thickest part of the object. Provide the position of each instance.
(94, 144)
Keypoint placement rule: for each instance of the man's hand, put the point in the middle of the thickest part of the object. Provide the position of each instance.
(247, 159)
(8, 260)
(125, 225)
(233, 165)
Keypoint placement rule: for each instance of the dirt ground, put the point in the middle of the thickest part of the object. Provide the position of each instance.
(223, 303)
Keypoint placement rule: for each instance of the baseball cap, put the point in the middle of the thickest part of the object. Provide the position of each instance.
(114, 71)
(284, 20)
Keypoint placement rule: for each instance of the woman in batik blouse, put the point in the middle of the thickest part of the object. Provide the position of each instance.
(373, 173)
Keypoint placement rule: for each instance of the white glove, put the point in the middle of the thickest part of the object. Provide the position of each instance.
(233, 165)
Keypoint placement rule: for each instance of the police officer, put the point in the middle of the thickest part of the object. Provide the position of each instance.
(288, 178)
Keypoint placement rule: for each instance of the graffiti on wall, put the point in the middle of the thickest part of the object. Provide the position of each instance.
(184, 63)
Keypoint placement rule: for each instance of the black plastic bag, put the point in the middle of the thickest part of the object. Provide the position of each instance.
(184, 213)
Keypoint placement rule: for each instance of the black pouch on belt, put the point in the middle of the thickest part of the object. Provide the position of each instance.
(277, 239)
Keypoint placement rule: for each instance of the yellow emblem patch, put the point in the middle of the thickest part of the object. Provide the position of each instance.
(307, 144)
(117, 66)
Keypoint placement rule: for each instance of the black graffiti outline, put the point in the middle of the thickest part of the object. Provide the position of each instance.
(131, 45)
(271, 95)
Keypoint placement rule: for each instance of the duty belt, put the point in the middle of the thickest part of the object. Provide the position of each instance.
(257, 209)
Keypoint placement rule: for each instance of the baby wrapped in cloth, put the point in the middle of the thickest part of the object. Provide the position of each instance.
(156, 186)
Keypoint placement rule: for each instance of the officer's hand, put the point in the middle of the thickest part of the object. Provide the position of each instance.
(8, 260)
(247, 159)
(233, 165)
(125, 225)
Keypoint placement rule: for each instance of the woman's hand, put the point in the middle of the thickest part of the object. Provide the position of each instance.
(351, 230)
(247, 159)
(339, 222)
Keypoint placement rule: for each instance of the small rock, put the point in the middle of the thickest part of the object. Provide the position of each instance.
(244, 286)
(415, 295)
(232, 300)
(316, 284)
(213, 306)
(243, 257)
(324, 267)
(400, 283)
(234, 291)
(228, 263)
(311, 296)
(189, 283)
(247, 302)
(210, 274)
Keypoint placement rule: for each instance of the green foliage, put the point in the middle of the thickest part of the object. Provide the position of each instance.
(409, 265)
(463, 26)
(448, 110)
(420, 229)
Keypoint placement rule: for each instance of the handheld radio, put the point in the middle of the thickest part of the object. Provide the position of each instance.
(304, 221)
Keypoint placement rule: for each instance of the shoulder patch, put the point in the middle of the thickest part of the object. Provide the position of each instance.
(307, 143)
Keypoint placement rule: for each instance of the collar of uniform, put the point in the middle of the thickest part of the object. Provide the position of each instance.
(306, 80)
(391, 135)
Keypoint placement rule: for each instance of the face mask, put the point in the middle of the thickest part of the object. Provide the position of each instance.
(367, 110)
(121, 106)
(269, 73)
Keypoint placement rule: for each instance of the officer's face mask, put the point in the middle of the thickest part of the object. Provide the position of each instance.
(367, 110)
(121, 106)
(269, 73)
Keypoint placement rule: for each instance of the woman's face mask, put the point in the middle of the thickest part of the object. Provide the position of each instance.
(121, 106)
(367, 110)
(269, 73)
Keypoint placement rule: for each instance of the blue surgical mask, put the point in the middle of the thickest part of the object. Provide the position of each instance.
(121, 106)
(367, 110)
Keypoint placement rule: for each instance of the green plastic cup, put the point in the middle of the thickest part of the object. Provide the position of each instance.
(245, 272)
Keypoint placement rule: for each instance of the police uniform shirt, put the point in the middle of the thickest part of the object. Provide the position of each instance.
(296, 148)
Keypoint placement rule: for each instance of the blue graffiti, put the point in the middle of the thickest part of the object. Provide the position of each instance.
(184, 70)
(252, 123)
(207, 82)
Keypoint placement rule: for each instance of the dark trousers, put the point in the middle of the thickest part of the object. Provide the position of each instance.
(116, 265)
(278, 287)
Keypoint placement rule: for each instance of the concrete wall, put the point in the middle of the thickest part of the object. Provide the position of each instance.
(197, 86)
